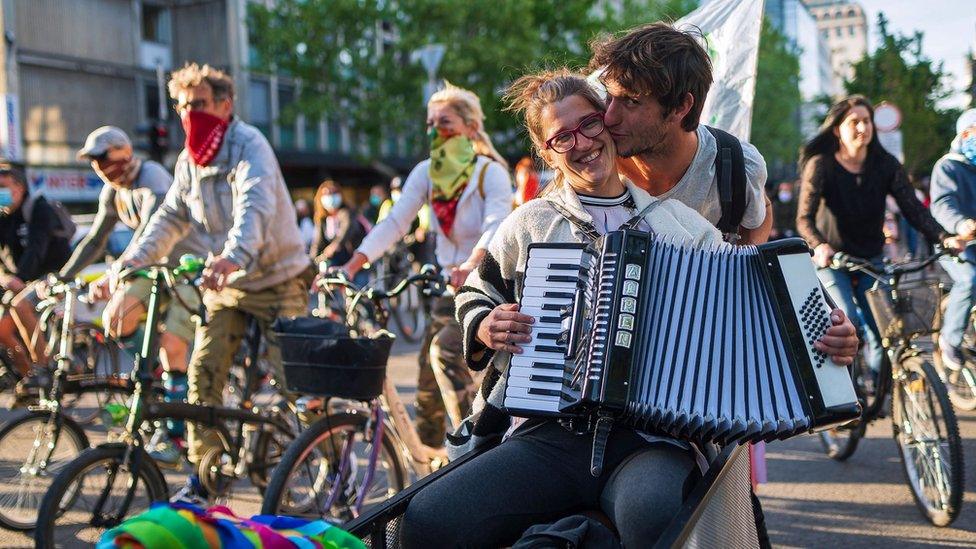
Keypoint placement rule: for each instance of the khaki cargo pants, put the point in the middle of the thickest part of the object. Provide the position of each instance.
(218, 341)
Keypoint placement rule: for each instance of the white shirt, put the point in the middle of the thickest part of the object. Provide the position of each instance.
(475, 221)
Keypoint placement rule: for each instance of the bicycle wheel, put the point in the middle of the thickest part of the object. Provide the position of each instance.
(32, 452)
(313, 481)
(88, 496)
(927, 434)
(98, 357)
(407, 314)
(841, 441)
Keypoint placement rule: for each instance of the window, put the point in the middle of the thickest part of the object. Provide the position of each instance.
(311, 135)
(850, 30)
(334, 130)
(156, 25)
(286, 120)
(151, 91)
(826, 34)
(259, 106)
(839, 31)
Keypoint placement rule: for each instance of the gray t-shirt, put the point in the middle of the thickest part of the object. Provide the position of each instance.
(704, 198)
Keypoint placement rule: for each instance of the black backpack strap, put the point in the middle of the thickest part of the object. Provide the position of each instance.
(730, 175)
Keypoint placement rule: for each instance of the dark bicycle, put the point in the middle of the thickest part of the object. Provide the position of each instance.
(107, 483)
(924, 423)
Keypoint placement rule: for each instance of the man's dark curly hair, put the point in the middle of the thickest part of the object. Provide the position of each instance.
(657, 60)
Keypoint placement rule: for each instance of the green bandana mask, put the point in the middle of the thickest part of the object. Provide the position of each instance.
(452, 160)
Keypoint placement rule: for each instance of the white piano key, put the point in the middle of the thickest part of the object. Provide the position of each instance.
(536, 405)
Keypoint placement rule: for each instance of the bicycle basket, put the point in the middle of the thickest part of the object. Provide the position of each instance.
(321, 359)
(913, 309)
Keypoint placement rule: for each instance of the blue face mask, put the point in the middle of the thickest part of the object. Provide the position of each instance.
(6, 197)
(331, 201)
(968, 148)
(375, 200)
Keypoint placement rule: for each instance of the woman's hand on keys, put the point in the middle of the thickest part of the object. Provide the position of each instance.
(504, 328)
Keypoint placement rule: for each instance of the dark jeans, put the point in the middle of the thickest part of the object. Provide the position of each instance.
(542, 474)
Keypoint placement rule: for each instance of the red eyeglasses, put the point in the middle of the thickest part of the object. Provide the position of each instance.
(565, 141)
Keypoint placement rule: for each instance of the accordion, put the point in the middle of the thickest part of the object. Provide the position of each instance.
(708, 345)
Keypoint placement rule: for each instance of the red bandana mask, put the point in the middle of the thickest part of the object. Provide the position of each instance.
(204, 135)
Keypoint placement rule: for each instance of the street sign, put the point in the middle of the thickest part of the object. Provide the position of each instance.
(430, 57)
(887, 117)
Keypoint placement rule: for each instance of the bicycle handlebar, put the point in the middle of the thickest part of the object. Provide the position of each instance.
(847, 262)
(428, 274)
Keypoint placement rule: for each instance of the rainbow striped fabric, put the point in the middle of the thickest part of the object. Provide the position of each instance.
(184, 526)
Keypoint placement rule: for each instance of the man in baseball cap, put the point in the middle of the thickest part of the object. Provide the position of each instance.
(954, 206)
(133, 190)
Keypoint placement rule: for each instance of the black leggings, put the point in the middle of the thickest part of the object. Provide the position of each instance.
(542, 474)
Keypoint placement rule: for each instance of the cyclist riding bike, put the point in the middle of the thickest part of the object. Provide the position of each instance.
(846, 176)
(228, 190)
(34, 241)
(133, 189)
(954, 206)
(466, 184)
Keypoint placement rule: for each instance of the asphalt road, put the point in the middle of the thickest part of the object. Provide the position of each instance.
(810, 500)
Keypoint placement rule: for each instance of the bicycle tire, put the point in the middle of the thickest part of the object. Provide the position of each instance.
(406, 313)
(70, 480)
(310, 441)
(97, 357)
(25, 478)
(920, 373)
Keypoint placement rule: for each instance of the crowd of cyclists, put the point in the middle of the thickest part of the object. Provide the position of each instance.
(637, 156)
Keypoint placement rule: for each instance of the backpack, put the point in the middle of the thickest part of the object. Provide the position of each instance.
(67, 225)
(730, 176)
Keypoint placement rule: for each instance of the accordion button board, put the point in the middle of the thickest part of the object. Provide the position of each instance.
(700, 344)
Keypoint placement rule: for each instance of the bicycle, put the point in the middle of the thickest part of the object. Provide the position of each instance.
(960, 382)
(322, 473)
(35, 445)
(924, 423)
(101, 487)
(409, 309)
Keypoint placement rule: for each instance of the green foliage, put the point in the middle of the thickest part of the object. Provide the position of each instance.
(776, 108)
(353, 57)
(899, 73)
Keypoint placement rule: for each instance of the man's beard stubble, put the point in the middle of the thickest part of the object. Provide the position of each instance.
(653, 143)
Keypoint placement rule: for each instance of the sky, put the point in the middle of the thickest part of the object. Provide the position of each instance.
(949, 28)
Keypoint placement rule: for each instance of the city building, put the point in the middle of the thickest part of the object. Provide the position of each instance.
(794, 20)
(844, 27)
(71, 66)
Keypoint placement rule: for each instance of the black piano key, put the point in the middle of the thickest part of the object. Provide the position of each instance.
(545, 379)
(550, 320)
(545, 392)
(564, 267)
(562, 278)
(559, 295)
(553, 307)
(547, 366)
(550, 349)
(548, 336)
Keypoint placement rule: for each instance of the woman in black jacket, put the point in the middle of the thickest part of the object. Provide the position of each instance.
(846, 178)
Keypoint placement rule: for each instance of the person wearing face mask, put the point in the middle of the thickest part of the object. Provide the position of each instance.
(228, 190)
(953, 191)
(846, 176)
(466, 184)
(338, 229)
(378, 194)
(784, 211)
(303, 211)
(133, 189)
(33, 243)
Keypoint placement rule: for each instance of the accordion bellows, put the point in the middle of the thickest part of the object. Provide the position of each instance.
(699, 344)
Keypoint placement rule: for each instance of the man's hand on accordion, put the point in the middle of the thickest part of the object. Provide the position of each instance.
(840, 341)
(504, 328)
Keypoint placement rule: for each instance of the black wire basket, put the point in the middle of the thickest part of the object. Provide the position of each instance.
(321, 359)
(913, 309)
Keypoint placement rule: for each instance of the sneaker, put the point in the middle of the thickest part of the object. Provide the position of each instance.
(167, 453)
(952, 357)
(192, 492)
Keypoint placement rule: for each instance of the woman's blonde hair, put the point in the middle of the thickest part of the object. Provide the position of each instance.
(467, 105)
(532, 93)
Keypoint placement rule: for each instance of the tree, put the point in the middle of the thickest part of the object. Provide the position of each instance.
(898, 72)
(353, 58)
(776, 107)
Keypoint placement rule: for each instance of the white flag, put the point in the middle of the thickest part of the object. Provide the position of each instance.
(731, 29)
